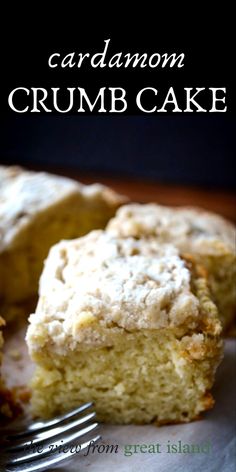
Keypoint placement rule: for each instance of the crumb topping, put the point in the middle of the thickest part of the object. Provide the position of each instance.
(191, 229)
(103, 282)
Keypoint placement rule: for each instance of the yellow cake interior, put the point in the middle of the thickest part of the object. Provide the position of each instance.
(144, 377)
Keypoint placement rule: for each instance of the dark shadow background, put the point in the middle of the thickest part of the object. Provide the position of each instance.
(197, 149)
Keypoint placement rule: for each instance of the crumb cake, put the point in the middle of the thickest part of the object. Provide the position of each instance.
(37, 210)
(208, 237)
(128, 324)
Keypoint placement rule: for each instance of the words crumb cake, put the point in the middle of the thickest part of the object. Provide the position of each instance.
(37, 210)
(128, 324)
(208, 237)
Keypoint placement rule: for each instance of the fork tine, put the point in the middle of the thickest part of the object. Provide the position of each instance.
(41, 426)
(51, 433)
(36, 466)
(67, 440)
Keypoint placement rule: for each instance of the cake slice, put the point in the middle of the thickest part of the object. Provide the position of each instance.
(127, 324)
(208, 237)
(36, 211)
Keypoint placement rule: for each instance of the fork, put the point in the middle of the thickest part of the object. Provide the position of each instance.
(41, 444)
